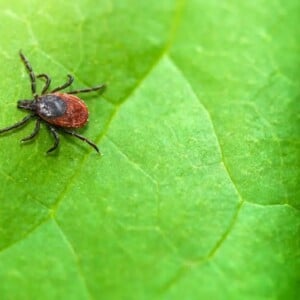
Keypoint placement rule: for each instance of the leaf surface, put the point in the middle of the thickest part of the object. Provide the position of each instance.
(196, 195)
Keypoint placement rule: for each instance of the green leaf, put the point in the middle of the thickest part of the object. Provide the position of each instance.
(196, 195)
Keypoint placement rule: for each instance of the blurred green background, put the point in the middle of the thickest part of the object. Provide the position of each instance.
(196, 195)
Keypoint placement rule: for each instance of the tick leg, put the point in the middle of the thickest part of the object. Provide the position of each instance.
(68, 83)
(18, 124)
(35, 131)
(30, 71)
(47, 84)
(56, 139)
(91, 89)
(73, 133)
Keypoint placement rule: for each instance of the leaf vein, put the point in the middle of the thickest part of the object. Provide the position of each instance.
(133, 163)
(25, 235)
(241, 200)
(75, 256)
(145, 173)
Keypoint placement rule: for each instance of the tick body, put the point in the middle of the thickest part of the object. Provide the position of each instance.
(60, 111)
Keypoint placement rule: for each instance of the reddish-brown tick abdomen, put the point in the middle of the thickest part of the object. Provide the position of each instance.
(75, 116)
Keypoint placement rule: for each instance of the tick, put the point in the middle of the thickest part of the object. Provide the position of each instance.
(59, 111)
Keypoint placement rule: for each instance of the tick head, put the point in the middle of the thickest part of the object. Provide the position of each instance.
(27, 104)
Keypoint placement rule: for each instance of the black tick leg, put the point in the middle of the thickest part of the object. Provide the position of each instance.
(35, 131)
(18, 124)
(91, 89)
(56, 139)
(65, 85)
(47, 83)
(30, 71)
(73, 133)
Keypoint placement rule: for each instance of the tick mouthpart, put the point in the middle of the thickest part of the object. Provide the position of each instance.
(27, 104)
